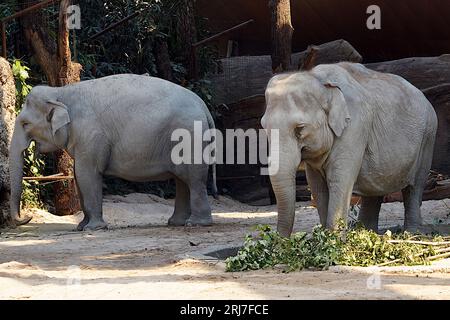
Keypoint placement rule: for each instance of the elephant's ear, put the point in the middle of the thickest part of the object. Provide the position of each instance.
(338, 115)
(58, 115)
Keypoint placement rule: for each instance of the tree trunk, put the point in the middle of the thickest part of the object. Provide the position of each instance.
(55, 61)
(187, 35)
(162, 60)
(281, 35)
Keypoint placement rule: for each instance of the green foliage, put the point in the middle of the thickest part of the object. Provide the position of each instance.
(324, 248)
(33, 166)
(129, 48)
(21, 75)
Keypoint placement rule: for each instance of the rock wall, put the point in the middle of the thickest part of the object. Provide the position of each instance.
(7, 118)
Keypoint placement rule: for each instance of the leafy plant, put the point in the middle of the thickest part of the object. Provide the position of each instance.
(324, 248)
(33, 166)
(20, 72)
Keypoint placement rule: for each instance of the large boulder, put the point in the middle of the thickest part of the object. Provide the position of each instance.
(7, 118)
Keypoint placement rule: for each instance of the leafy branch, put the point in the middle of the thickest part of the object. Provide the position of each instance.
(324, 248)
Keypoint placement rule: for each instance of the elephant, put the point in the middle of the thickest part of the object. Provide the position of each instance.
(120, 126)
(356, 131)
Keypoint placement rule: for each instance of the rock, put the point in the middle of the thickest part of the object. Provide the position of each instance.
(8, 116)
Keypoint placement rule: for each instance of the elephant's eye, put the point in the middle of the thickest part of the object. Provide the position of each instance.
(25, 125)
(298, 131)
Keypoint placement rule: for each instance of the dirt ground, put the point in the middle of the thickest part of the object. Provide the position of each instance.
(140, 257)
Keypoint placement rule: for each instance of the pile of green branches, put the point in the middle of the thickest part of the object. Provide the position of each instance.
(324, 248)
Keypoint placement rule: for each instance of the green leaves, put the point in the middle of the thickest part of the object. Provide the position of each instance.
(21, 75)
(324, 248)
(32, 165)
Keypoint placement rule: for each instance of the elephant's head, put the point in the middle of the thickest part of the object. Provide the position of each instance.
(43, 119)
(309, 113)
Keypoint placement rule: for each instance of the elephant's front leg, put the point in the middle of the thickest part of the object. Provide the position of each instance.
(340, 179)
(89, 182)
(319, 191)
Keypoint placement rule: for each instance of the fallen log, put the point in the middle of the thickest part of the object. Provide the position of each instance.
(422, 72)
(330, 52)
(246, 76)
(441, 191)
(439, 96)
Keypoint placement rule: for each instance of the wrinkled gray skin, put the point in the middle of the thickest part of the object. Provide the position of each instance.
(120, 126)
(357, 131)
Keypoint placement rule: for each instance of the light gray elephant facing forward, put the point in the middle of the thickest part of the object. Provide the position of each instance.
(357, 131)
(120, 126)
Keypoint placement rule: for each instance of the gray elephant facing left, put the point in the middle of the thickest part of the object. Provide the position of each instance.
(120, 126)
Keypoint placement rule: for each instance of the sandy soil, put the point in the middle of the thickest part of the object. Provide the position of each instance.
(140, 257)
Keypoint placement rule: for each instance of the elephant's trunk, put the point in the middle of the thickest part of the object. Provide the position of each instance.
(283, 184)
(18, 144)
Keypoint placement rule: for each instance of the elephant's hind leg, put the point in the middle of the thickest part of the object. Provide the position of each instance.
(370, 212)
(200, 208)
(182, 209)
(412, 194)
(412, 200)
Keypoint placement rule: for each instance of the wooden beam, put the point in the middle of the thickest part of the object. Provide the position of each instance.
(18, 15)
(114, 25)
(220, 34)
(53, 177)
(29, 10)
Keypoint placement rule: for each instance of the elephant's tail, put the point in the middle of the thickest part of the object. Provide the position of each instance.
(211, 126)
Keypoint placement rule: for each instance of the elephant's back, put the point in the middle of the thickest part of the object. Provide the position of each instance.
(135, 89)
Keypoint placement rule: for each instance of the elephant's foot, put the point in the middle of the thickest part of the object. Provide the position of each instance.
(83, 223)
(418, 228)
(176, 222)
(199, 222)
(13, 223)
(414, 224)
(95, 225)
(178, 218)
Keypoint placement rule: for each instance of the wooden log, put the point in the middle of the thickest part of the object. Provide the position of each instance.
(247, 76)
(330, 52)
(441, 191)
(422, 72)
(242, 77)
(439, 96)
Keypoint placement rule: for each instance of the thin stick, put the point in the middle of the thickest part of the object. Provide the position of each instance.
(439, 256)
(389, 262)
(48, 178)
(430, 243)
(220, 34)
(114, 25)
(442, 254)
